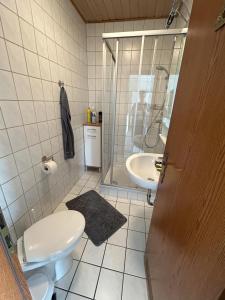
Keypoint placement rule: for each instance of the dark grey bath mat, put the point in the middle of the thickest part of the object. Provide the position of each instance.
(102, 219)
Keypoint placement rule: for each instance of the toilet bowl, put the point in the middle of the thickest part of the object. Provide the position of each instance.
(46, 247)
(40, 286)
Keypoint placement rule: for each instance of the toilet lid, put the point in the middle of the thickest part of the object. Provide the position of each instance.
(51, 236)
(40, 286)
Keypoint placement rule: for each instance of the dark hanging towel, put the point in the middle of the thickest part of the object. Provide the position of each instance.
(67, 131)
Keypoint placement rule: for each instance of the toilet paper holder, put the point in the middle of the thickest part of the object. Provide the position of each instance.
(45, 158)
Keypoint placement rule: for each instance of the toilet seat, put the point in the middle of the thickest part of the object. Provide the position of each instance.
(53, 236)
(47, 245)
(40, 286)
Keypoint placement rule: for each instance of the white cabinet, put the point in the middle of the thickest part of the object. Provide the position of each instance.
(92, 145)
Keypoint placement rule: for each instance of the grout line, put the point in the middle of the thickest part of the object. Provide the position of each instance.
(79, 261)
(125, 257)
(100, 270)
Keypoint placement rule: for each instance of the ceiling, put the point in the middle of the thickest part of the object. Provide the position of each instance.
(117, 10)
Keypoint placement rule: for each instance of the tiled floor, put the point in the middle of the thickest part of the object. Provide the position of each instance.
(114, 270)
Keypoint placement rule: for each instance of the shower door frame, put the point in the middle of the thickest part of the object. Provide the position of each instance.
(118, 35)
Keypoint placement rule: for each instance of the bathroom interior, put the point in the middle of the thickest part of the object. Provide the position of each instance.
(88, 93)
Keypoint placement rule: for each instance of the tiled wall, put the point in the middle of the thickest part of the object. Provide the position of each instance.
(41, 42)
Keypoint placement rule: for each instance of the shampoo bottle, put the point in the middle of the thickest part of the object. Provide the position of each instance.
(89, 115)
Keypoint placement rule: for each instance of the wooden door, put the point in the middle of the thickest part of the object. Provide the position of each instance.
(185, 254)
(13, 284)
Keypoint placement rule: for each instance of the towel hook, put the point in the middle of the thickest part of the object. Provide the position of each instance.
(60, 83)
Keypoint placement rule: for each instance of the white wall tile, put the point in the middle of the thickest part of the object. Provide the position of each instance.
(31, 197)
(4, 61)
(28, 35)
(28, 112)
(11, 4)
(35, 112)
(23, 160)
(27, 179)
(36, 88)
(36, 154)
(41, 44)
(11, 112)
(16, 58)
(5, 147)
(40, 111)
(45, 68)
(32, 134)
(43, 131)
(2, 200)
(18, 138)
(10, 23)
(12, 190)
(7, 89)
(24, 10)
(22, 87)
(22, 224)
(38, 16)
(7, 217)
(2, 123)
(8, 168)
(32, 64)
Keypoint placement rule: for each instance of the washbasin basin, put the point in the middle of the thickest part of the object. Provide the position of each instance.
(142, 171)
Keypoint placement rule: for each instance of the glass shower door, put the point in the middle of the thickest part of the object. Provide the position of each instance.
(109, 65)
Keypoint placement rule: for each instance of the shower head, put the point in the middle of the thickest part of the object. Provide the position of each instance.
(161, 68)
(178, 7)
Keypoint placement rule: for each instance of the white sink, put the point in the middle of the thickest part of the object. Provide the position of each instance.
(142, 171)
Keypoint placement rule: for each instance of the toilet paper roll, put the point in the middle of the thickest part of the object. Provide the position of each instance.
(49, 167)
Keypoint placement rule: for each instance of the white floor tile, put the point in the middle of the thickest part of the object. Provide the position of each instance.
(85, 236)
(109, 285)
(147, 224)
(114, 258)
(137, 211)
(135, 263)
(76, 189)
(138, 202)
(123, 200)
(126, 224)
(85, 280)
(93, 254)
(69, 197)
(60, 207)
(113, 203)
(71, 296)
(85, 190)
(137, 224)
(77, 253)
(123, 208)
(60, 294)
(136, 240)
(134, 288)
(119, 238)
(65, 282)
(148, 212)
(81, 182)
(91, 184)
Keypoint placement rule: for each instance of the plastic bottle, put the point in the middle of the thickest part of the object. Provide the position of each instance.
(93, 117)
(89, 115)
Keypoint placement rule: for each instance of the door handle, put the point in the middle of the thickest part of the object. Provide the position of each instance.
(164, 166)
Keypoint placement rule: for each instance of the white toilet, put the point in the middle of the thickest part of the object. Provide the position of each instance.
(46, 248)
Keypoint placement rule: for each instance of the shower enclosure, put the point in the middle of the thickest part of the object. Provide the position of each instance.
(140, 74)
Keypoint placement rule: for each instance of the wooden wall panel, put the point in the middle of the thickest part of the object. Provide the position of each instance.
(117, 10)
